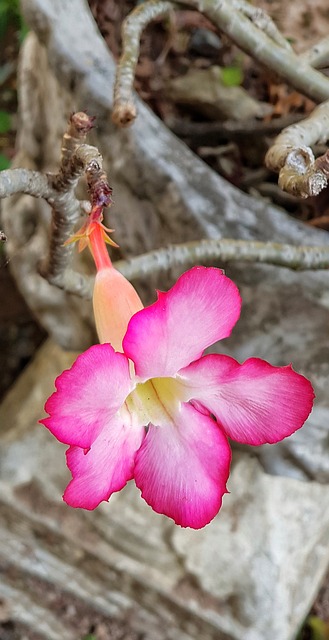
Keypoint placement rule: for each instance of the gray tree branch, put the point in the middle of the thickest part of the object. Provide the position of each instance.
(205, 252)
(292, 157)
(251, 29)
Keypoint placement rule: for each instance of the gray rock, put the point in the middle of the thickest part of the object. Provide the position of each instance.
(263, 555)
(204, 43)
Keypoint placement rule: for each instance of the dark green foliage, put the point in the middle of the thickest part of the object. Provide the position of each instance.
(10, 16)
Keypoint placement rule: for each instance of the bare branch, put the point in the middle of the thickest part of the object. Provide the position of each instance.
(204, 252)
(78, 127)
(74, 282)
(59, 191)
(33, 183)
(250, 28)
(77, 160)
(318, 55)
(203, 132)
(263, 21)
(186, 255)
(291, 155)
(66, 209)
(259, 46)
(124, 110)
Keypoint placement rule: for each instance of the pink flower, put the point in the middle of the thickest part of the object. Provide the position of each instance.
(161, 412)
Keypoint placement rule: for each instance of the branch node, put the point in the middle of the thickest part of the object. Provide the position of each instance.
(300, 159)
(317, 182)
(79, 125)
(123, 115)
(98, 186)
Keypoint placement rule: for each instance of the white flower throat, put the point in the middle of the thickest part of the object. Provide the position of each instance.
(156, 401)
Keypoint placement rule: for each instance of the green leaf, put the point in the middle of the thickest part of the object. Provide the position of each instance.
(5, 122)
(232, 76)
(4, 19)
(10, 15)
(4, 162)
(319, 629)
(22, 32)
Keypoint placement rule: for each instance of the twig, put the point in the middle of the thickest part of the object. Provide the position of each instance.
(200, 133)
(279, 197)
(205, 252)
(33, 183)
(300, 174)
(124, 110)
(292, 157)
(259, 46)
(48, 186)
(66, 209)
(230, 18)
(263, 21)
(318, 55)
(297, 258)
(78, 127)
(59, 191)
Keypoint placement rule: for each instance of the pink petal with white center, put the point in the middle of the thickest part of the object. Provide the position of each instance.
(105, 468)
(254, 402)
(182, 468)
(88, 395)
(201, 308)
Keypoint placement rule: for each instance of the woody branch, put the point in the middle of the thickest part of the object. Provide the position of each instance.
(256, 34)
(59, 190)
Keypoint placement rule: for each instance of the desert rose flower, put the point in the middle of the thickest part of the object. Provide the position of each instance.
(147, 405)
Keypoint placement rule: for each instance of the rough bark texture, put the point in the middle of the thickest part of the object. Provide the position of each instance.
(254, 571)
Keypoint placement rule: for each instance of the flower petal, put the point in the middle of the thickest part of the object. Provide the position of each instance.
(106, 467)
(199, 309)
(254, 402)
(182, 469)
(88, 395)
(114, 301)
